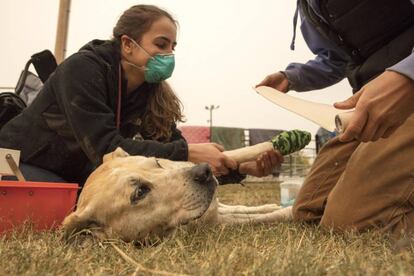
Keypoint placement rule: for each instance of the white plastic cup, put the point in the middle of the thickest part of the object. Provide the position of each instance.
(289, 190)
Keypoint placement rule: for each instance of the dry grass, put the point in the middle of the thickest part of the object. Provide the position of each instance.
(284, 249)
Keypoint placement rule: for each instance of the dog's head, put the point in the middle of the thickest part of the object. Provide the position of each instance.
(134, 197)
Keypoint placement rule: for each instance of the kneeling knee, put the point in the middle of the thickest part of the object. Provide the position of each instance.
(304, 213)
(339, 220)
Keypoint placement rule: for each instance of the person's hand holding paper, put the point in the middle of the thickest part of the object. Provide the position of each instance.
(381, 106)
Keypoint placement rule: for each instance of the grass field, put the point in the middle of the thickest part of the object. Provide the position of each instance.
(284, 249)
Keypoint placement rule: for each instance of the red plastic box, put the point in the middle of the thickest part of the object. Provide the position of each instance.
(43, 205)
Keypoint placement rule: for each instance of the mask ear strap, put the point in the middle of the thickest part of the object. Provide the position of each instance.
(136, 66)
(139, 46)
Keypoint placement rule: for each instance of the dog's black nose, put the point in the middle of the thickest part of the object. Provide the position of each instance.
(201, 173)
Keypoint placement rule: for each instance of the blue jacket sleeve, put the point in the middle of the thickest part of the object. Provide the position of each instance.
(405, 66)
(326, 69)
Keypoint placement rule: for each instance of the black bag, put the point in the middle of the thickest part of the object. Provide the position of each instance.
(12, 104)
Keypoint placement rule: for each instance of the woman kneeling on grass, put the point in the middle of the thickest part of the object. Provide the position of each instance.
(113, 94)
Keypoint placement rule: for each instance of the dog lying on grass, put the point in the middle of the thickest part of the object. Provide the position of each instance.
(135, 198)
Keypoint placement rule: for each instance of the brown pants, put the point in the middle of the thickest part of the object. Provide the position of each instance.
(357, 186)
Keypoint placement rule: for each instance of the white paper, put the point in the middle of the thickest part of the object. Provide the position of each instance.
(4, 166)
(322, 114)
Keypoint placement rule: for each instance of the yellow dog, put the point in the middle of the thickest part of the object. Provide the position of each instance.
(134, 197)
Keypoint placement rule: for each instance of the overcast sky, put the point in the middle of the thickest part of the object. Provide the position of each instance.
(225, 47)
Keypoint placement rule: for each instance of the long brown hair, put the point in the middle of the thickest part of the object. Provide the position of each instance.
(163, 106)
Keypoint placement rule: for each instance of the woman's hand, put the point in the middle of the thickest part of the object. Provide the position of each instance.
(263, 165)
(381, 106)
(211, 153)
(277, 81)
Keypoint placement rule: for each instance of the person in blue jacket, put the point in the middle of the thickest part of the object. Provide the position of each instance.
(364, 178)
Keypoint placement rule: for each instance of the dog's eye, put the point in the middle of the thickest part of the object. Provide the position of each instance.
(139, 193)
(142, 191)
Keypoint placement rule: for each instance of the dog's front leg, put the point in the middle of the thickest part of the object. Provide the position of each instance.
(241, 209)
(284, 214)
(286, 142)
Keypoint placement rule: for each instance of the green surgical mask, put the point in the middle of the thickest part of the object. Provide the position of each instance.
(159, 67)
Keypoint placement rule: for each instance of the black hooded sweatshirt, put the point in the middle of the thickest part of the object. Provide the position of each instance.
(72, 122)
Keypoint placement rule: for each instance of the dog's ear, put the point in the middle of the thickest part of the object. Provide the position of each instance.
(118, 153)
(78, 222)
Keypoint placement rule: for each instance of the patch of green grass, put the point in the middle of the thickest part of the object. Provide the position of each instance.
(282, 249)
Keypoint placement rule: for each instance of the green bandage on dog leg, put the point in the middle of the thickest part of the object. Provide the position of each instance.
(286, 143)
(290, 141)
